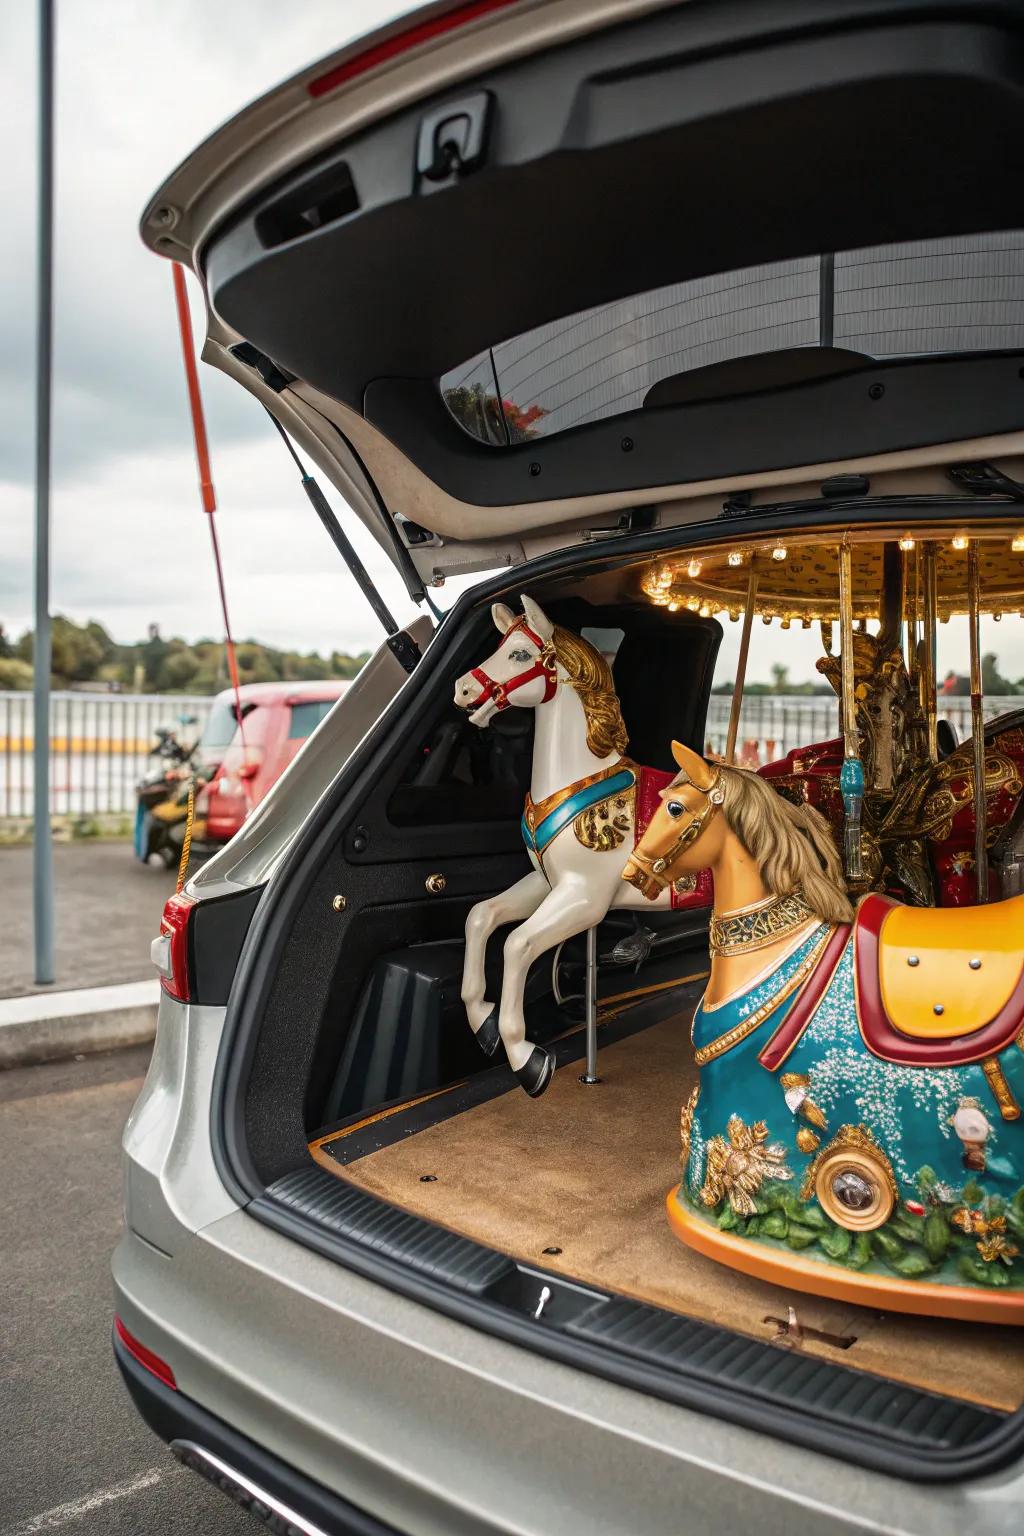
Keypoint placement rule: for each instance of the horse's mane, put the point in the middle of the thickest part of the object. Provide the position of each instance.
(792, 843)
(591, 677)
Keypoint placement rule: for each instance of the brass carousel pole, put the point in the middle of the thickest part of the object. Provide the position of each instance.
(911, 583)
(929, 681)
(741, 666)
(851, 777)
(977, 724)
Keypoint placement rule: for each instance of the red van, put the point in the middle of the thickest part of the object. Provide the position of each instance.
(276, 720)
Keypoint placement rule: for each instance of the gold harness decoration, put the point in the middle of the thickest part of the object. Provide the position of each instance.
(762, 923)
(607, 824)
(945, 800)
(602, 824)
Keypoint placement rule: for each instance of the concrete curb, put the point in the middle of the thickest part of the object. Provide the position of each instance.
(53, 1026)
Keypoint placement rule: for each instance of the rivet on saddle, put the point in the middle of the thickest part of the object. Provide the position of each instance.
(939, 986)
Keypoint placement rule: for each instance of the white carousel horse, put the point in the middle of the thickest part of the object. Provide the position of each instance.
(578, 823)
(877, 1060)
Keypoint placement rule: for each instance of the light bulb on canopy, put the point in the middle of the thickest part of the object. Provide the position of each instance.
(801, 582)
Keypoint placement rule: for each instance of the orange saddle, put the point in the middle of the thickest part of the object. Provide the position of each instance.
(939, 986)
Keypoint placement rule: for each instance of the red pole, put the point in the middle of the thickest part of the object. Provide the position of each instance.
(206, 490)
(195, 399)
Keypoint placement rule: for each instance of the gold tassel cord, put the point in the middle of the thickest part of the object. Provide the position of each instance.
(186, 846)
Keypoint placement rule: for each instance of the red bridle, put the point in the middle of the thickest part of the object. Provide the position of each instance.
(545, 666)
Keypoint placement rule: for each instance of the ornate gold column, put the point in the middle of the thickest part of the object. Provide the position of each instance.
(929, 640)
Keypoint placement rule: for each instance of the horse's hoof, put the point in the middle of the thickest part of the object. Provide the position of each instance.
(487, 1036)
(537, 1073)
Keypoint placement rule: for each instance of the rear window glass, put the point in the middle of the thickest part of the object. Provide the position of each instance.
(962, 294)
(221, 724)
(306, 717)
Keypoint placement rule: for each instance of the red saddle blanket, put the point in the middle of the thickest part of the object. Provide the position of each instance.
(649, 784)
(941, 973)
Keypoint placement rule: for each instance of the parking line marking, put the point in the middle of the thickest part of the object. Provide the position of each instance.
(61, 1514)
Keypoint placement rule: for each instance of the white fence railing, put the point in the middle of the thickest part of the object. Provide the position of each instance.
(100, 742)
(772, 725)
(99, 747)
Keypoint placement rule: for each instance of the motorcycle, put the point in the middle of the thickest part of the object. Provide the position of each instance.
(161, 810)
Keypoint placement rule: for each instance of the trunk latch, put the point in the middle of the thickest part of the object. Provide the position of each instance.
(452, 139)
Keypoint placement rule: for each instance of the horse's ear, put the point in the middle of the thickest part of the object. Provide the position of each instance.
(537, 618)
(503, 617)
(693, 765)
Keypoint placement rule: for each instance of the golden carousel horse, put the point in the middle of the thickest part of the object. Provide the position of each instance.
(856, 1131)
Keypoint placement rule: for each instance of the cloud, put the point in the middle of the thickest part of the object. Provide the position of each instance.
(132, 547)
(139, 85)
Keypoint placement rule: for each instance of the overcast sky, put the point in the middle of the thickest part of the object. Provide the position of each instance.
(139, 84)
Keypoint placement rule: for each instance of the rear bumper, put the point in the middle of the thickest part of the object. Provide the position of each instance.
(442, 1430)
(278, 1495)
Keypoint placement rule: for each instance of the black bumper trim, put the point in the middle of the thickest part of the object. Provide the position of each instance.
(172, 1416)
(818, 1404)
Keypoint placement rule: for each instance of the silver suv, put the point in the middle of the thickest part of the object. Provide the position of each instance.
(558, 290)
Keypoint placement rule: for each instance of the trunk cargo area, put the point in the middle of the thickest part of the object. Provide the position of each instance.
(575, 1183)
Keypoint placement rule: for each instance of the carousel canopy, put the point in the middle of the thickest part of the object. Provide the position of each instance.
(800, 581)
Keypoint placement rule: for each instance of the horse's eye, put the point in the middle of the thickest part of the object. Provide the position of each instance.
(675, 809)
(518, 655)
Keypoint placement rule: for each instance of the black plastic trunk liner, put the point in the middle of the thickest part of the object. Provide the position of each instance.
(861, 1418)
(909, 1415)
(361, 1135)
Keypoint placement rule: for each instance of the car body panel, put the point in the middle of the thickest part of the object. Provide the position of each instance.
(171, 1183)
(260, 750)
(287, 125)
(291, 128)
(255, 851)
(420, 1418)
(343, 1379)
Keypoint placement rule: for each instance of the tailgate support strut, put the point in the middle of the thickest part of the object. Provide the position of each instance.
(402, 645)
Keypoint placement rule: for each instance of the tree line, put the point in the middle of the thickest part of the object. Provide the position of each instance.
(953, 685)
(86, 654)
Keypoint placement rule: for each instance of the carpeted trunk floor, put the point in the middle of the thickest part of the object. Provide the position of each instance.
(584, 1170)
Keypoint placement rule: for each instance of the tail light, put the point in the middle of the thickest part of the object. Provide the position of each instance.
(169, 952)
(138, 1351)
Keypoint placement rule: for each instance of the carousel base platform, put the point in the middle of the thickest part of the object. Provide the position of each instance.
(574, 1182)
(959, 1302)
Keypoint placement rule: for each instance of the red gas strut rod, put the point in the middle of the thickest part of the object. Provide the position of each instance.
(206, 490)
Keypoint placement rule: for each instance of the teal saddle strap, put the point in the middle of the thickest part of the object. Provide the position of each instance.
(538, 838)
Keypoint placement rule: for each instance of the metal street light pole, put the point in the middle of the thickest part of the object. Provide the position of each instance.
(42, 842)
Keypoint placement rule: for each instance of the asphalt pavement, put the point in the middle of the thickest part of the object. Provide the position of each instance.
(75, 1458)
(107, 909)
